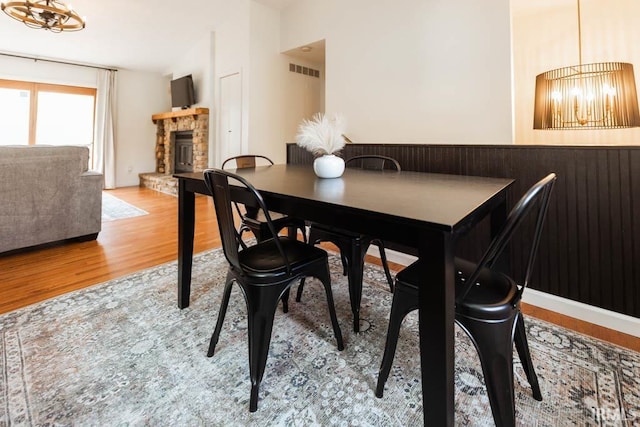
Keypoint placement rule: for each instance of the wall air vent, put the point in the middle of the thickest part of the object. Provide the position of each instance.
(294, 68)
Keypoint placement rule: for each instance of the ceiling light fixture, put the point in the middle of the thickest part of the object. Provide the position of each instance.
(306, 49)
(51, 15)
(586, 96)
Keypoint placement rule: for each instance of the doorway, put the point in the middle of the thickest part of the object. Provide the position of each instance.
(304, 86)
(230, 116)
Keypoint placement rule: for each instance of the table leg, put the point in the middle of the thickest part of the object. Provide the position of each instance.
(498, 218)
(437, 316)
(186, 223)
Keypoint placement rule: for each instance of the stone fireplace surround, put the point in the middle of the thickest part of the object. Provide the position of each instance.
(193, 119)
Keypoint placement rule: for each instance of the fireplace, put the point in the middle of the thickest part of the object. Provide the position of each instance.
(182, 142)
(183, 151)
(182, 145)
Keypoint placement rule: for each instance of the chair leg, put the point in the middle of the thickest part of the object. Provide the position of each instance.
(311, 240)
(292, 232)
(285, 297)
(300, 289)
(495, 348)
(385, 264)
(352, 252)
(258, 234)
(525, 357)
(285, 301)
(315, 237)
(221, 313)
(355, 266)
(325, 278)
(345, 264)
(403, 303)
(262, 303)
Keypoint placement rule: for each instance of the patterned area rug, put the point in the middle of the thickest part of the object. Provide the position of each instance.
(122, 353)
(114, 208)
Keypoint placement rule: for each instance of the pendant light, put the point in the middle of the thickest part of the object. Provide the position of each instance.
(586, 96)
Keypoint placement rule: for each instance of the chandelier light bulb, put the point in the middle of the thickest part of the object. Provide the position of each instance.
(609, 90)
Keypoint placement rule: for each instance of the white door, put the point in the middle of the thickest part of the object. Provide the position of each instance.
(230, 116)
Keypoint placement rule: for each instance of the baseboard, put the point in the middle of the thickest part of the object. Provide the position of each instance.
(588, 313)
(585, 312)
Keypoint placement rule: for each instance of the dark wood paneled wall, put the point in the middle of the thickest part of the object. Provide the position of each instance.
(590, 250)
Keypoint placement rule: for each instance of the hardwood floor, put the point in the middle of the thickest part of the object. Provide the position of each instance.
(123, 246)
(128, 245)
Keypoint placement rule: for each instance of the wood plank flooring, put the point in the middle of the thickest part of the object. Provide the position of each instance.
(128, 245)
(123, 246)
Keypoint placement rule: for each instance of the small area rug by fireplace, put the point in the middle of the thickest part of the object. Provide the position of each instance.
(122, 353)
(114, 208)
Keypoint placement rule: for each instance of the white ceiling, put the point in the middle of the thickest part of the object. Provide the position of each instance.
(132, 34)
(150, 35)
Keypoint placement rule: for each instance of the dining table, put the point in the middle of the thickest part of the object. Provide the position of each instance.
(424, 211)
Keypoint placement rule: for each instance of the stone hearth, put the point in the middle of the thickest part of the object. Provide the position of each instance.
(195, 120)
(160, 182)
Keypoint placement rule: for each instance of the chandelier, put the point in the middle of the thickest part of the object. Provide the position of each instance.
(586, 96)
(51, 15)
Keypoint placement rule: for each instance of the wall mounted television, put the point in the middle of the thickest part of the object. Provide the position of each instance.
(182, 93)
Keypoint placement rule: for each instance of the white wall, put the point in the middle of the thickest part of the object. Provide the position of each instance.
(266, 79)
(199, 61)
(412, 71)
(548, 39)
(46, 72)
(232, 44)
(195, 61)
(139, 96)
(303, 96)
(247, 44)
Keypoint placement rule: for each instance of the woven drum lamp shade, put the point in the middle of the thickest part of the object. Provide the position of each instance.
(588, 96)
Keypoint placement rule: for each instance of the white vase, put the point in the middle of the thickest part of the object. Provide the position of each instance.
(328, 166)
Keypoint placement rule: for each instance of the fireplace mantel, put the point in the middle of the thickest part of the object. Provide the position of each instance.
(174, 115)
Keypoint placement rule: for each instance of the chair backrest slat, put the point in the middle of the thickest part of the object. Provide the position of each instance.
(245, 161)
(373, 162)
(537, 196)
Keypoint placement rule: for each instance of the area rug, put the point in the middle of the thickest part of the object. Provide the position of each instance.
(114, 208)
(122, 353)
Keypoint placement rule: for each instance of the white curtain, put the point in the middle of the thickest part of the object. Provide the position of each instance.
(104, 156)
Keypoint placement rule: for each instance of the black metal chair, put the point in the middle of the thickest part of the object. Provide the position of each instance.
(252, 219)
(487, 308)
(349, 242)
(264, 272)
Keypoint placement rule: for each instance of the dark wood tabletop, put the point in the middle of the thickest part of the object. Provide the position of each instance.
(439, 201)
(424, 211)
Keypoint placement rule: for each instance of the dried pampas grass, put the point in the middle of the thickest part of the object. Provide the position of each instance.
(321, 135)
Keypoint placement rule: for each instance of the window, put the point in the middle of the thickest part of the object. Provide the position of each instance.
(38, 113)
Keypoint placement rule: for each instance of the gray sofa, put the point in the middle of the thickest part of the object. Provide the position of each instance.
(47, 194)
